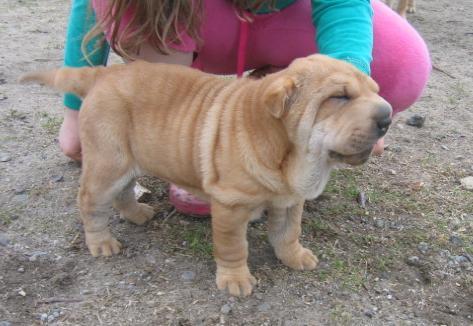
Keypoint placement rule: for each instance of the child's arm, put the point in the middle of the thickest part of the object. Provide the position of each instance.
(81, 20)
(345, 30)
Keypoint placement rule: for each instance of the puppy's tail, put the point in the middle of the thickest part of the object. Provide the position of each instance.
(78, 81)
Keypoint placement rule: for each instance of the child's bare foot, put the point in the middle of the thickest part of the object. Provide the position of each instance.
(69, 135)
(378, 148)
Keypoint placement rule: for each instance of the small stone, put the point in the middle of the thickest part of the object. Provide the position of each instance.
(150, 259)
(226, 309)
(444, 253)
(21, 198)
(43, 317)
(363, 220)
(85, 292)
(264, 307)
(259, 296)
(22, 293)
(444, 147)
(413, 261)
(416, 121)
(361, 199)
(468, 256)
(455, 240)
(57, 178)
(418, 185)
(141, 193)
(4, 157)
(379, 223)
(369, 313)
(34, 256)
(423, 247)
(460, 259)
(21, 270)
(392, 172)
(188, 276)
(4, 240)
(19, 190)
(467, 183)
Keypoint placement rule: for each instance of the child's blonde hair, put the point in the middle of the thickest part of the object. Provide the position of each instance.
(157, 22)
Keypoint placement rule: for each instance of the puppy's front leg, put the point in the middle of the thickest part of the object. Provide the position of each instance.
(229, 225)
(284, 228)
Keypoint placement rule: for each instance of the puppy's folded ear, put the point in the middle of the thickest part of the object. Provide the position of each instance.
(278, 95)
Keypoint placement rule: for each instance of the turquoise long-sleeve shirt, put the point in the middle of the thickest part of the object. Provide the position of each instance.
(344, 31)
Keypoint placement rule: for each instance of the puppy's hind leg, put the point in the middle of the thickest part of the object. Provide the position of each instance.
(129, 208)
(411, 6)
(402, 7)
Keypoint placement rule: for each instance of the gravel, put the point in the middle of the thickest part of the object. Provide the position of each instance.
(379, 223)
(57, 178)
(423, 247)
(188, 276)
(413, 261)
(226, 309)
(35, 255)
(467, 183)
(264, 307)
(4, 240)
(5, 157)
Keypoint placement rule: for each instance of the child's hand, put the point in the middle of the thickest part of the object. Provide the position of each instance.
(69, 135)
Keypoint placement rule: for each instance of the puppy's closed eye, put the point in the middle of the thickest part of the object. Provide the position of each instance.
(340, 97)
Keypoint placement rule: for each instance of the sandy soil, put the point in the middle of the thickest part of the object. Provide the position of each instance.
(405, 259)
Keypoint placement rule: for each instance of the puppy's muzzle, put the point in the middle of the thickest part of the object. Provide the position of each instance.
(382, 119)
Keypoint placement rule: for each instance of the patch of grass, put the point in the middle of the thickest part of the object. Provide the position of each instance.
(344, 183)
(339, 316)
(344, 272)
(50, 123)
(9, 138)
(428, 160)
(199, 240)
(6, 214)
(5, 218)
(316, 225)
(383, 262)
(16, 115)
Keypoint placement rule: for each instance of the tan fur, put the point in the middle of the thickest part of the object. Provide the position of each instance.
(245, 145)
(403, 6)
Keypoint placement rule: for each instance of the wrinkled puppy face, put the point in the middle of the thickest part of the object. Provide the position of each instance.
(330, 109)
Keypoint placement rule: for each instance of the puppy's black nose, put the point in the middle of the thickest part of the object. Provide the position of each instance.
(383, 119)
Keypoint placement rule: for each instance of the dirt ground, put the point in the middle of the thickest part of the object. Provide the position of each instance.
(404, 259)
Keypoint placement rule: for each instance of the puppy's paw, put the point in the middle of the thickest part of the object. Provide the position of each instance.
(411, 9)
(102, 243)
(140, 215)
(304, 259)
(238, 281)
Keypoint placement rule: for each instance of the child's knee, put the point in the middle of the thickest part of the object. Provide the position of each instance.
(401, 60)
(413, 71)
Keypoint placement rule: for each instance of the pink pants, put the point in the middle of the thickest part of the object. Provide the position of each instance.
(401, 63)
